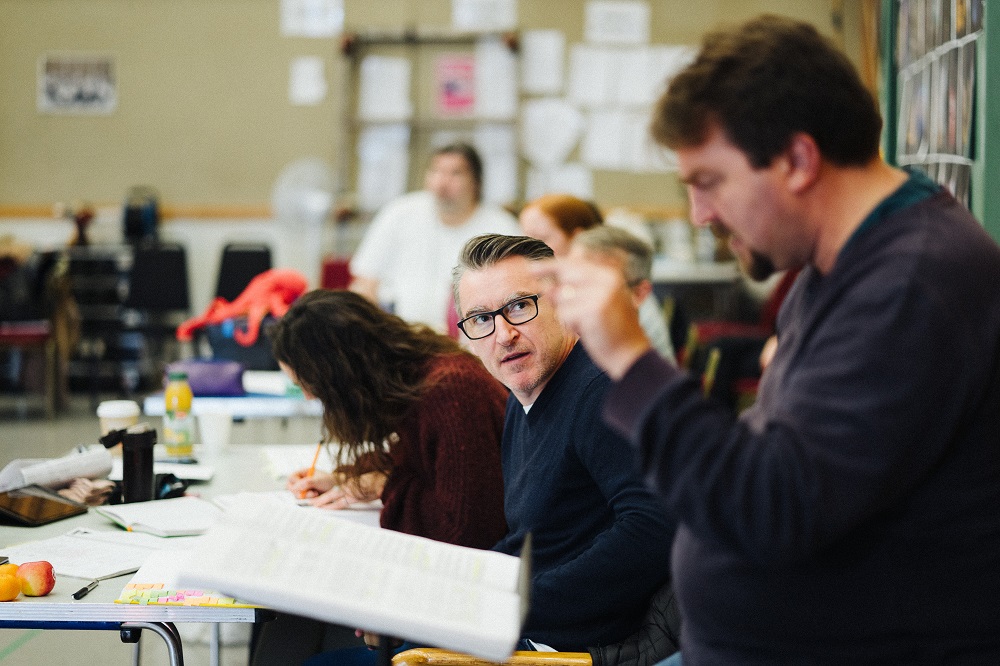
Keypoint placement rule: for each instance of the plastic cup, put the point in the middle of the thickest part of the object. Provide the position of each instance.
(117, 415)
(214, 429)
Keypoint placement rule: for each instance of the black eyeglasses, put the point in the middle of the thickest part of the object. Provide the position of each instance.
(517, 312)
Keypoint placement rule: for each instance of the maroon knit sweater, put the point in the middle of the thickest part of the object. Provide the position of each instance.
(446, 482)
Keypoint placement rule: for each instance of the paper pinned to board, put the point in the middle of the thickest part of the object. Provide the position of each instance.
(497, 145)
(572, 178)
(496, 80)
(617, 22)
(604, 140)
(384, 89)
(542, 55)
(312, 18)
(383, 164)
(307, 81)
(550, 129)
(475, 15)
(591, 76)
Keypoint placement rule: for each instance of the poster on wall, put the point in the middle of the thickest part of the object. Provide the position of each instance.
(456, 85)
(79, 83)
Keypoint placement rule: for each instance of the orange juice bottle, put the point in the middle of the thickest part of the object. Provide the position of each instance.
(177, 421)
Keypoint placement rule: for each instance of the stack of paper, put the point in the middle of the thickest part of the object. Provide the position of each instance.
(92, 554)
(387, 582)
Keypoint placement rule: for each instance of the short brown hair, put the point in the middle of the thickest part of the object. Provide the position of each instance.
(569, 213)
(761, 83)
(489, 249)
(471, 157)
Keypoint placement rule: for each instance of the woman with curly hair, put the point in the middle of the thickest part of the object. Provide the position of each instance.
(417, 420)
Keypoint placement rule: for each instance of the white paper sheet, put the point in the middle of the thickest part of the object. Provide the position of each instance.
(604, 142)
(94, 554)
(644, 72)
(542, 55)
(591, 76)
(484, 14)
(307, 81)
(573, 178)
(641, 152)
(312, 18)
(283, 459)
(617, 22)
(550, 130)
(383, 164)
(496, 80)
(635, 84)
(497, 145)
(436, 593)
(384, 89)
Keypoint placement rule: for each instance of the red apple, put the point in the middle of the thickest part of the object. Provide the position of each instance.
(37, 578)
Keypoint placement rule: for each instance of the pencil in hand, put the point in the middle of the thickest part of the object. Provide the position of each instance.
(312, 468)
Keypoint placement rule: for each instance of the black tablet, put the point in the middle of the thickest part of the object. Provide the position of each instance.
(34, 505)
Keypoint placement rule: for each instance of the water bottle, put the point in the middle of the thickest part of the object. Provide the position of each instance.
(178, 424)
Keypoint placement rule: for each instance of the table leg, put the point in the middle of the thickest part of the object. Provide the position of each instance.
(168, 632)
(214, 641)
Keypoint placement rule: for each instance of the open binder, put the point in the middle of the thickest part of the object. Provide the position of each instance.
(386, 582)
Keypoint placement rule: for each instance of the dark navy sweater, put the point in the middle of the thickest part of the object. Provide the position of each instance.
(601, 541)
(853, 514)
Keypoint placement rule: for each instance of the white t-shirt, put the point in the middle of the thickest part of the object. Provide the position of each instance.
(411, 253)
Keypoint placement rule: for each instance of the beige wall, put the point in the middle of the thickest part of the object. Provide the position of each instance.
(203, 111)
(204, 116)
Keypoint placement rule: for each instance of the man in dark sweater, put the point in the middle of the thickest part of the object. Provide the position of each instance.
(600, 539)
(850, 516)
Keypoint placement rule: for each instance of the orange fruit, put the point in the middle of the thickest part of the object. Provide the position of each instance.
(8, 569)
(10, 587)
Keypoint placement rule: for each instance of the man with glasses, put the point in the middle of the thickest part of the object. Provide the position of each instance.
(600, 540)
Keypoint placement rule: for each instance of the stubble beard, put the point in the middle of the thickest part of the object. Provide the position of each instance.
(757, 266)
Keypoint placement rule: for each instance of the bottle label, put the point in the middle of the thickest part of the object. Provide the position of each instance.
(177, 434)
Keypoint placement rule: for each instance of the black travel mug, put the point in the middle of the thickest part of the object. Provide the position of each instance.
(137, 463)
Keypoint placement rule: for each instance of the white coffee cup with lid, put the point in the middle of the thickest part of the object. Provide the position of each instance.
(215, 429)
(117, 415)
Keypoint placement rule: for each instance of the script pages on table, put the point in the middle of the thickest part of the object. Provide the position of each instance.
(338, 571)
(174, 517)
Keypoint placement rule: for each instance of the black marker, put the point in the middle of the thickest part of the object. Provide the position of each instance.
(83, 591)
